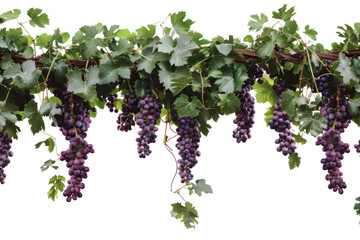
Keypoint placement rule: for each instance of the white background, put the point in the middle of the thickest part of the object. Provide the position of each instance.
(256, 196)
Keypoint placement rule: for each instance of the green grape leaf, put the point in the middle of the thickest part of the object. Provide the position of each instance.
(267, 49)
(61, 70)
(47, 164)
(200, 187)
(45, 108)
(148, 64)
(9, 15)
(310, 32)
(357, 206)
(187, 214)
(294, 160)
(298, 138)
(232, 78)
(6, 113)
(49, 142)
(144, 33)
(166, 74)
(248, 38)
(186, 108)
(180, 26)
(141, 87)
(6, 61)
(25, 75)
(11, 129)
(290, 27)
(310, 123)
(43, 40)
(228, 103)
(287, 102)
(122, 46)
(283, 13)
(37, 17)
(265, 93)
(111, 33)
(35, 119)
(224, 48)
(57, 183)
(125, 33)
(178, 84)
(345, 69)
(356, 66)
(258, 23)
(268, 115)
(111, 70)
(182, 50)
(84, 89)
(353, 108)
(167, 45)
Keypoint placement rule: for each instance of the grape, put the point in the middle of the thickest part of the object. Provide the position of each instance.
(281, 123)
(75, 158)
(5, 153)
(187, 144)
(146, 119)
(129, 108)
(111, 98)
(245, 115)
(334, 112)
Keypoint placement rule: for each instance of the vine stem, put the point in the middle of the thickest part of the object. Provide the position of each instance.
(301, 74)
(138, 53)
(176, 164)
(56, 149)
(7, 95)
(33, 39)
(178, 192)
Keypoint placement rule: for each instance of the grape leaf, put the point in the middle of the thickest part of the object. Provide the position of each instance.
(180, 26)
(57, 183)
(298, 138)
(43, 40)
(166, 74)
(84, 89)
(187, 214)
(294, 160)
(268, 115)
(186, 108)
(201, 187)
(87, 42)
(148, 64)
(265, 93)
(345, 69)
(224, 48)
(287, 102)
(122, 46)
(166, 45)
(25, 75)
(178, 84)
(111, 70)
(11, 129)
(111, 33)
(283, 13)
(48, 142)
(267, 49)
(35, 119)
(37, 17)
(228, 103)
(357, 206)
(258, 23)
(144, 33)
(141, 87)
(232, 78)
(9, 15)
(310, 123)
(182, 50)
(310, 32)
(47, 164)
(6, 113)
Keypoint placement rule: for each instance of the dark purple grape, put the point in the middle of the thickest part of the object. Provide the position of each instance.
(187, 144)
(5, 153)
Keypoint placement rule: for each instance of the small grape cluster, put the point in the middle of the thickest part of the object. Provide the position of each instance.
(75, 157)
(259, 72)
(245, 115)
(334, 149)
(150, 110)
(74, 123)
(357, 147)
(187, 144)
(110, 100)
(5, 153)
(281, 123)
(130, 107)
(324, 86)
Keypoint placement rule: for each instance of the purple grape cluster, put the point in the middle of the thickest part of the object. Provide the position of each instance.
(357, 147)
(150, 110)
(244, 115)
(130, 107)
(259, 72)
(281, 123)
(334, 149)
(75, 157)
(111, 98)
(5, 153)
(74, 123)
(334, 112)
(324, 86)
(187, 144)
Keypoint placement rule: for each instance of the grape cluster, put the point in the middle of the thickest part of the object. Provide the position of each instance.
(334, 112)
(111, 98)
(187, 144)
(357, 147)
(129, 108)
(245, 115)
(334, 149)
(5, 153)
(281, 123)
(75, 157)
(74, 123)
(259, 72)
(146, 119)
